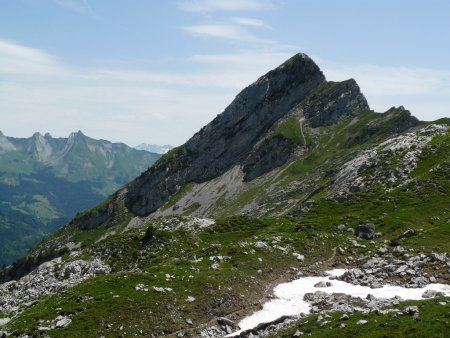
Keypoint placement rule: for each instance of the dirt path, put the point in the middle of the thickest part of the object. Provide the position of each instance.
(245, 311)
(301, 131)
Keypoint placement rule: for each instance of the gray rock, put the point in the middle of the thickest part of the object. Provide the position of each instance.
(214, 266)
(322, 284)
(297, 333)
(223, 321)
(382, 251)
(365, 231)
(432, 294)
(342, 227)
(410, 310)
(299, 257)
(48, 278)
(190, 299)
(62, 322)
(438, 257)
(361, 322)
(344, 317)
(399, 249)
(401, 269)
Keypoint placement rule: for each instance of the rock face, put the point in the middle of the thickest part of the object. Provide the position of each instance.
(230, 137)
(389, 163)
(239, 134)
(48, 278)
(332, 101)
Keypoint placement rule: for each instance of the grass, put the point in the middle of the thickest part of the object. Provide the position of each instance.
(93, 304)
(242, 279)
(291, 130)
(433, 322)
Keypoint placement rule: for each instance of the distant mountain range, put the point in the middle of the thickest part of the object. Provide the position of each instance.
(154, 148)
(44, 181)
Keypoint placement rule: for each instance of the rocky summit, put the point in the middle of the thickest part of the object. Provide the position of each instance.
(295, 178)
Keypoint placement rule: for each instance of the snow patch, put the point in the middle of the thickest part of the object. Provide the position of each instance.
(289, 297)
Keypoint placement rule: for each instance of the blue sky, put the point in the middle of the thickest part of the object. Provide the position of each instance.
(155, 71)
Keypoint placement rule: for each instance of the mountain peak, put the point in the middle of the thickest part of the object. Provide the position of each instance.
(294, 75)
(300, 62)
(232, 136)
(75, 135)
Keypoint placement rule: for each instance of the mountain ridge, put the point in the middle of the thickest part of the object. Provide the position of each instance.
(154, 148)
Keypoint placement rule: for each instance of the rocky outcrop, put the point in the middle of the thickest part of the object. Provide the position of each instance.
(397, 267)
(389, 163)
(333, 101)
(395, 120)
(272, 153)
(48, 278)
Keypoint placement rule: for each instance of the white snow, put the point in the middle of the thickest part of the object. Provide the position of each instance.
(289, 297)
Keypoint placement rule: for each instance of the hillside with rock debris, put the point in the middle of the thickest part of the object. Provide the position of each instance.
(297, 181)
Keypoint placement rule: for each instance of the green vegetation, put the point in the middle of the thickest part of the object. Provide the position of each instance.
(112, 299)
(291, 130)
(257, 252)
(433, 321)
(39, 193)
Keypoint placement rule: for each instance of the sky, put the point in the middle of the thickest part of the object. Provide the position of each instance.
(156, 71)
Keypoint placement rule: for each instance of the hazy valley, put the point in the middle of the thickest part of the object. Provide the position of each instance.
(45, 181)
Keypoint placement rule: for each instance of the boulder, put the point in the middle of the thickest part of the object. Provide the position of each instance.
(223, 321)
(62, 322)
(432, 294)
(410, 310)
(437, 257)
(365, 231)
(342, 227)
(299, 257)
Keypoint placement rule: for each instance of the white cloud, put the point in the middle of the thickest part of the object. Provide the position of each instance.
(232, 32)
(425, 92)
(79, 6)
(224, 5)
(41, 93)
(17, 59)
(248, 22)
